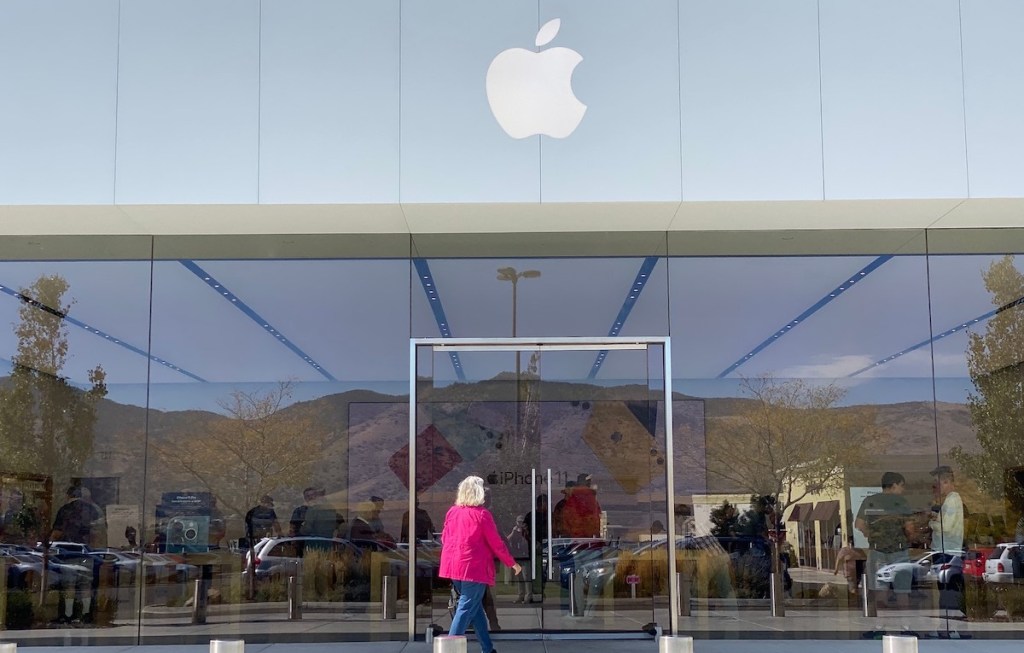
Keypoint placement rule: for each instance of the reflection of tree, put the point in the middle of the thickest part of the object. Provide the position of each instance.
(46, 424)
(790, 441)
(261, 448)
(725, 520)
(994, 361)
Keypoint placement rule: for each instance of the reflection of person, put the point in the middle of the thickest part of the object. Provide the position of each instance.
(540, 537)
(519, 546)
(132, 536)
(376, 523)
(470, 542)
(582, 514)
(261, 520)
(18, 519)
(321, 519)
(657, 530)
(846, 560)
(75, 522)
(366, 525)
(77, 519)
(787, 558)
(947, 521)
(490, 610)
(884, 518)
(424, 528)
(299, 514)
(558, 512)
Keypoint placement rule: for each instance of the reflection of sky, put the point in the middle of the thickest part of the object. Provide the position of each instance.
(353, 318)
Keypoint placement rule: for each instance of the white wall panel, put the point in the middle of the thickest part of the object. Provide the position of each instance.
(329, 101)
(892, 99)
(627, 146)
(994, 96)
(452, 148)
(58, 75)
(751, 104)
(187, 122)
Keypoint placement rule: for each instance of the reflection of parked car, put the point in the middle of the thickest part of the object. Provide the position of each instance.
(163, 568)
(1006, 564)
(282, 556)
(597, 574)
(125, 563)
(25, 571)
(425, 565)
(560, 548)
(942, 568)
(579, 554)
(61, 568)
(722, 566)
(66, 547)
(974, 561)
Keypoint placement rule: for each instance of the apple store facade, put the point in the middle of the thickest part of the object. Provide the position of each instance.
(688, 283)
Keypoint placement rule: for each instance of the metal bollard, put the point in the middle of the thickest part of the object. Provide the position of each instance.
(575, 596)
(683, 593)
(777, 595)
(867, 602)
(227, 646)
(199, 603)
(294, 598)
(8, 647)
(389, 597)
(675, 644)
(450, 644)
(899, 644)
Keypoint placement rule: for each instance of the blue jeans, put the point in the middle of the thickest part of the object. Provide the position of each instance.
(471, 611)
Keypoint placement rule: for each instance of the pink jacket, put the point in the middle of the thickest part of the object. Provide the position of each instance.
(470, 543)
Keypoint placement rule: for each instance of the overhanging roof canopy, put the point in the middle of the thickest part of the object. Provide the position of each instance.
(680, 217)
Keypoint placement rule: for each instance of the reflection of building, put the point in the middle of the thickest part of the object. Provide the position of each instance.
(816, 527)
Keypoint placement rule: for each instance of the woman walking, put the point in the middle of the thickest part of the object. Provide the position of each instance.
(469, 544)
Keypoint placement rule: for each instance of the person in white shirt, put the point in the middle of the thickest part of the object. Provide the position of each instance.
(947, 522)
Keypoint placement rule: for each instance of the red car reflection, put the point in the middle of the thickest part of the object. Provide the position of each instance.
(974, 561)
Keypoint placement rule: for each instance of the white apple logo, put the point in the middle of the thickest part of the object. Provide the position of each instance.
(530, 93)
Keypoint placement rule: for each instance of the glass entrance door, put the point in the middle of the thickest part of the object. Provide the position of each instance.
(569, 437)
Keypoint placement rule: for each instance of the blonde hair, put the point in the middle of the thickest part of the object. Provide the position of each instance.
(471, 492)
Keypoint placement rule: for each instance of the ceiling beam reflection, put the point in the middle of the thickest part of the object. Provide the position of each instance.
(426, 278)
(814, 308)
(639, 283)
(948, 332)
(237, 302)
(88, 328)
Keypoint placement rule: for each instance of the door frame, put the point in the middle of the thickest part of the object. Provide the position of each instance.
(455, 345)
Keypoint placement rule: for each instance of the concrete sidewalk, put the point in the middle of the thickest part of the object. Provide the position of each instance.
(574, 646)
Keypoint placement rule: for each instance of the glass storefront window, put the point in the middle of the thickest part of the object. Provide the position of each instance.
(74, 366)
(223, 441)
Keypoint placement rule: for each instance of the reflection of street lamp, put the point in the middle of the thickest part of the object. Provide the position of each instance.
(510, 274)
